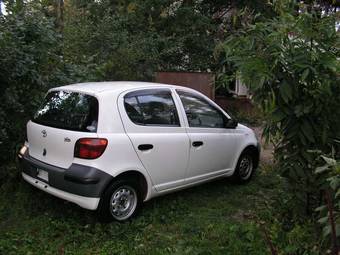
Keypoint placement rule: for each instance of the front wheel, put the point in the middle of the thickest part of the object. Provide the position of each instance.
(120, 202)
(244, 168)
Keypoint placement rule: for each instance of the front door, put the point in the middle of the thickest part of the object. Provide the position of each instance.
(152, 122)
(212, 146)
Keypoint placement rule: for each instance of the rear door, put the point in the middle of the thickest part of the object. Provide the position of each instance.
(152, 122)
(63, 118)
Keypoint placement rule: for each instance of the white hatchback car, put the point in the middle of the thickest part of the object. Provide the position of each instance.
(109, 146)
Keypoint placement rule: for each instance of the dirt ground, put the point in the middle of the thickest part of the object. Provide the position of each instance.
(266, 149)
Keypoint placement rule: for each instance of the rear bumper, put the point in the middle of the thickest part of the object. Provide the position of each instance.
(80, 184)
(90, 203)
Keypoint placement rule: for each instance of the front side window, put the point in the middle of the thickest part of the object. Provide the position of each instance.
(68, 110)
(151, 108)
(200, 113)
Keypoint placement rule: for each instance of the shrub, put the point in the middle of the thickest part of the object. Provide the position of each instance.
(290, 64)
(330, 212)
(30, 63)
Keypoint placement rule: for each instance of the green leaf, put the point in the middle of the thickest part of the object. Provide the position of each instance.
(302, 139)
(278, 115)
(337, 194)
(323, 220)
(321, 208)
(327, 230)
(298, 110)
(304, 74)
(307, 131)
(286, 91)
(337, 230)
(334, 183)
(321, 169)
(329, 161)
(260, 82)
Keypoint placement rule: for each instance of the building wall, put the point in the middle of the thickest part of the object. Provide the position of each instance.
(228, 104)
(241, 89)
(205, 83)
(202, 82)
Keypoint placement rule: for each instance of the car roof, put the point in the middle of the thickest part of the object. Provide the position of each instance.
(111, 86)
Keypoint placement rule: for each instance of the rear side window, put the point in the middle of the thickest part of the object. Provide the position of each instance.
(68, 110)
(151, 108)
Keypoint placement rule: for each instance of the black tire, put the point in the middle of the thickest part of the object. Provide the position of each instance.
(242, 174)
(122, 190)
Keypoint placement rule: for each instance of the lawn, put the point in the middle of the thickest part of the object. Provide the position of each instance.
(208, 219)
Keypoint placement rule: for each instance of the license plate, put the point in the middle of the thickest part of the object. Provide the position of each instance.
(42, 174)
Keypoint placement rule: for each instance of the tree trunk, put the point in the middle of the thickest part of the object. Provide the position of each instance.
(59, 10)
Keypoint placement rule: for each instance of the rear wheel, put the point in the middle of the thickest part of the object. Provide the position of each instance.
(244, 169)
(120, 202)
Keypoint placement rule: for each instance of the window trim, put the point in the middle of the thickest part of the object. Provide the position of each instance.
(152, 91)
(199, 96)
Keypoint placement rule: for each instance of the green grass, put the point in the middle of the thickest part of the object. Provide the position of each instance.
(208, 219)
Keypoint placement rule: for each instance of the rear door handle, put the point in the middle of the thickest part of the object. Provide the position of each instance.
(145, 147)
(197, 143)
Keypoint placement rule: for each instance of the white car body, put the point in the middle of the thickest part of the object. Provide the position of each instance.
(172, 164)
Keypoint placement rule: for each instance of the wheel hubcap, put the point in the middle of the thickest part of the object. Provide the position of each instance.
(246, 167)
(123, 202)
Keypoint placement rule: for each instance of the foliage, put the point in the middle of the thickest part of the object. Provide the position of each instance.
(133, 40)
(330, 212)
(290, 63)
(30, 63)
(27, 51)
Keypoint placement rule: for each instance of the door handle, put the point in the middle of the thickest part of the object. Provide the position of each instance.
(145, 147)
(197, 143)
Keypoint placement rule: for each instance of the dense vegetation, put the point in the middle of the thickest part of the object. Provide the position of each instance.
(286, 51)
(291, 62)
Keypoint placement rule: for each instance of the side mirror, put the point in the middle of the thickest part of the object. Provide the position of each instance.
(231, 123)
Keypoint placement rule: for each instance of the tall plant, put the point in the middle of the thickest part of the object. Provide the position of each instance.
(330, 212)
(290, 62)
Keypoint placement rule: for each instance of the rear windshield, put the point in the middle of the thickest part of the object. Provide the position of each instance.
(68, 110)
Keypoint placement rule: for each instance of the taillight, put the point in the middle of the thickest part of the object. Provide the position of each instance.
(90, 148)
